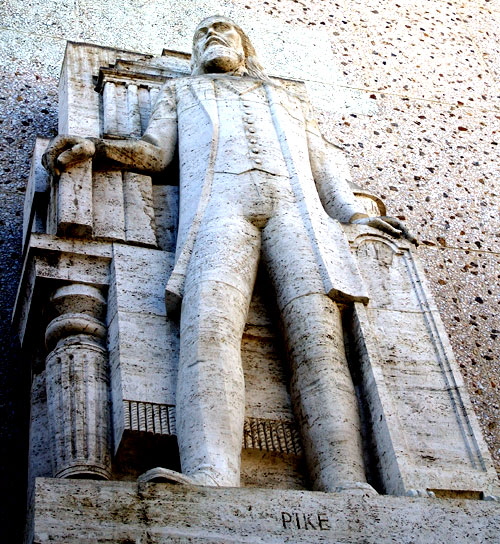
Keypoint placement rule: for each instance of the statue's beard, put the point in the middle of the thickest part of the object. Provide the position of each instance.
(218, 58)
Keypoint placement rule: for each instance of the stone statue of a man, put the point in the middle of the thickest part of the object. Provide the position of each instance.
(256, 179)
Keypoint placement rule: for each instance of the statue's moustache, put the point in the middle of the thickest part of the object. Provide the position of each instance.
(216, 39)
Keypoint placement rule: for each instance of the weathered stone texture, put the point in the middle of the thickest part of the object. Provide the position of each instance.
(130, 512)
(370, 399)
(422, 132)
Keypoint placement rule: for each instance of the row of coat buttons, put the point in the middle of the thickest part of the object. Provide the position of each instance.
(251, 131)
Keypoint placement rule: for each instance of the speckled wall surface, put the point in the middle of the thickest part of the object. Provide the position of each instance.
(431, 149)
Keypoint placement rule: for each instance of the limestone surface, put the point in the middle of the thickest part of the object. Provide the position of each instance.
(419, 130)
(121, 511)
(229, 166)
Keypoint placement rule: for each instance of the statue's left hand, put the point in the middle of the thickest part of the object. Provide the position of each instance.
(390, 225)
(64, 151)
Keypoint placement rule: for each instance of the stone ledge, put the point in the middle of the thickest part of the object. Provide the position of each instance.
(84, 511)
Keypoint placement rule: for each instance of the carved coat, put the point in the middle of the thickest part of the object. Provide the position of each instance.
(226, 124)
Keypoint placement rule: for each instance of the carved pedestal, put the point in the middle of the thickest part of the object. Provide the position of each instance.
(77, 384)
(164, 514)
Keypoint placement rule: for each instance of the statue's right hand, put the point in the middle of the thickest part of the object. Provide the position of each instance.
(64, 151)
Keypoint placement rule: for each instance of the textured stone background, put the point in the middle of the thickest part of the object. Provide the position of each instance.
(429, 145)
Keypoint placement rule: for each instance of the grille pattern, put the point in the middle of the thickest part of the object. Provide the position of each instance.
(150, 417)
(258, 434)
(271, 435)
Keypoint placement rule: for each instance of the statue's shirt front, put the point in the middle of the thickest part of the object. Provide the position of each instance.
(247, 137)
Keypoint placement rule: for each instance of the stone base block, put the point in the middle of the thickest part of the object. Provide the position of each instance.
(84, 511)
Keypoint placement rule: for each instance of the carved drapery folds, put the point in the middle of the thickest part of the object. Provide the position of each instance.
(77, 383)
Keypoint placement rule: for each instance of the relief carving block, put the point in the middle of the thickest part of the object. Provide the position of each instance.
(424, 426)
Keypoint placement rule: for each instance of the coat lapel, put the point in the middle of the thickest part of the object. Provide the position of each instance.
(203, 93)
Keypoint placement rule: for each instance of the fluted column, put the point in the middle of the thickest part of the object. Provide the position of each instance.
(77, 383)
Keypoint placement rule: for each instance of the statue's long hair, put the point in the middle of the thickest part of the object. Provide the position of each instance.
(253, 68)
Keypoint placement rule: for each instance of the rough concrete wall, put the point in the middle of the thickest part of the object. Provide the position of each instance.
(430, 147)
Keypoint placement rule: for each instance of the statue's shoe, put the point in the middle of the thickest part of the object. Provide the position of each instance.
(355, 488)
(420, 493)
(165, 475)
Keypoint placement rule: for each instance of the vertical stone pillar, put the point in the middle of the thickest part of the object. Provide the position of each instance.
(77, 383)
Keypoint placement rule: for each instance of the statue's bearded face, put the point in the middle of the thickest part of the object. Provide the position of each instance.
(218, 47)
